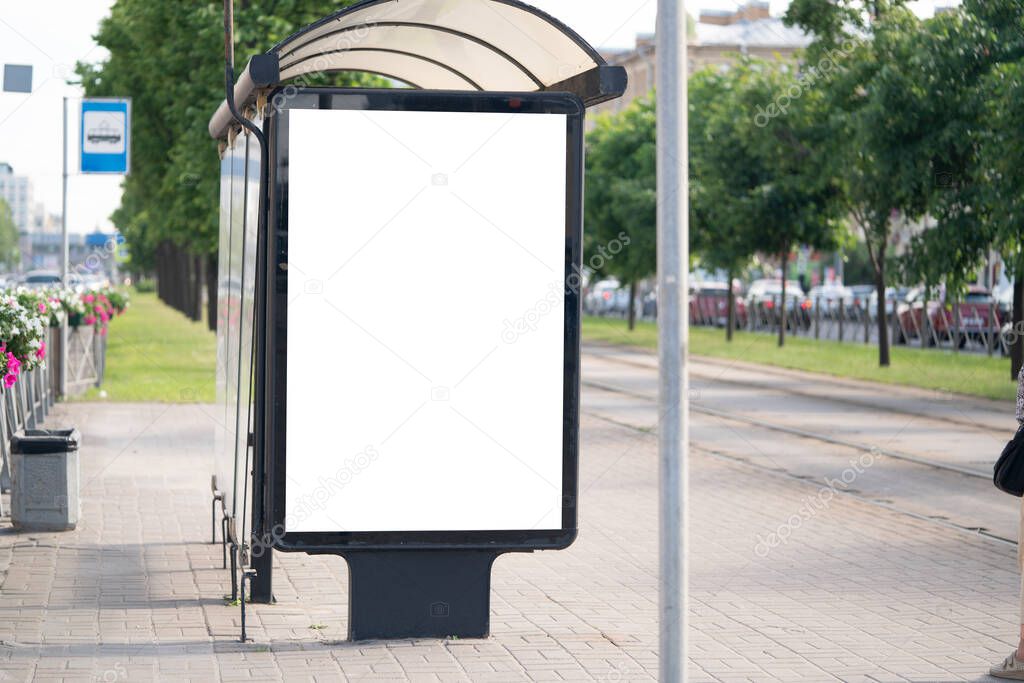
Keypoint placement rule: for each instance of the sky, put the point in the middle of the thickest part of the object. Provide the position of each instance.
(30, 125)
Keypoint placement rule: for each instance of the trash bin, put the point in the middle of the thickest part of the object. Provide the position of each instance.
(44, 496)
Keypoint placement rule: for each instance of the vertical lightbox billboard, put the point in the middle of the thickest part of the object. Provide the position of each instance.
(425, 309)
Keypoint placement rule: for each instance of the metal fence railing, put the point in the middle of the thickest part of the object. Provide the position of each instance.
(968, 327)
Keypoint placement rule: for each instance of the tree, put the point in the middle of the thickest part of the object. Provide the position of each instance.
(10, 256)
(169, 58)
(975, 58)
(720, 232)
(879, 137)
(762, 169)
(621, 205)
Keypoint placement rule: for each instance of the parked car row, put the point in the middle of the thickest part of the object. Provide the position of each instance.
(42, 279)
(934, 319)
(980, 313)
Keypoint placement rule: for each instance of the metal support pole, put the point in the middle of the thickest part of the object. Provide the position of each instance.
(64, 258)
(842, 316)
(673, 333)
(993, 326)
(817, 318)
(895, 323)
(925, 324)
(956, 327)
(867, 322)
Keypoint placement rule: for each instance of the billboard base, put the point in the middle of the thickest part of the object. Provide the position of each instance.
(419, 593)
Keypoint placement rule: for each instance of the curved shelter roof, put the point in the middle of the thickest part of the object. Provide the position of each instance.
(493, 45)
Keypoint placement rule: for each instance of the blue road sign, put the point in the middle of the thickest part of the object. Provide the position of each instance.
(106, 136)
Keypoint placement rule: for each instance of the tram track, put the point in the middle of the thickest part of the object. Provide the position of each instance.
(804, 480)
(598, 350)
(796, 431)
(956, 496)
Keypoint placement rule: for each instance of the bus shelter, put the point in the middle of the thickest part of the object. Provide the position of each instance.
(399, 303)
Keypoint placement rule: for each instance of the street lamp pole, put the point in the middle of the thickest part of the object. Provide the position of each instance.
(673, 335)
(64, 201)
(64, 251)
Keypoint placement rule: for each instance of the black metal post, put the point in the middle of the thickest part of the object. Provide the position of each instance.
(817, 318)
(250, 575)
(842, 316)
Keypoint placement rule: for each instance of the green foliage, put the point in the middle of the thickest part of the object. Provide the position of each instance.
(169, 58)
(621, 203)
(967, 373)
(10, 257)
(155, 354)
(975, 143)
(756, 166)
(834, 22)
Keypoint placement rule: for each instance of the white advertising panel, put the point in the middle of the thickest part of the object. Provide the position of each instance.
(425, 321)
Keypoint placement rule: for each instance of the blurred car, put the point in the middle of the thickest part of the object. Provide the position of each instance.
(862, 297)
(829, 298)
(95, 281)
(764, 295)
(649, 304)
(41, 279)
(894, 296)
(600, 298)
(709, 305)
(1004, 302)
(978, 316)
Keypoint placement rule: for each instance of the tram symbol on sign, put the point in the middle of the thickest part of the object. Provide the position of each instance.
(104, 133)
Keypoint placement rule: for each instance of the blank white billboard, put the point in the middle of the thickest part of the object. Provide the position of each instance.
(425, 326)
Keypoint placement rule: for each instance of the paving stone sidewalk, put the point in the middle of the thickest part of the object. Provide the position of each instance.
(856, 593)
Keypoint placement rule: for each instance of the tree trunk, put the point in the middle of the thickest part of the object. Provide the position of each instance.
(162, 276)
(1017, 349)
(730, 308)
(882, 309)
(782, 303)
(197, 288)
(631, 315)
(211, 291)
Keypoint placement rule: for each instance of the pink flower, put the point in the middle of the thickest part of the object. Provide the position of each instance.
(88, 298)
(90, 320)
(103, 331)
(13, 364)
(9, 380)
(42, 307)
(41, 353)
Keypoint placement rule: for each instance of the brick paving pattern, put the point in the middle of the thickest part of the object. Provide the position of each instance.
(856, 593)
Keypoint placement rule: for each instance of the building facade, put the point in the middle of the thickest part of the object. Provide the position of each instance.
(16, 190)
(716, 39)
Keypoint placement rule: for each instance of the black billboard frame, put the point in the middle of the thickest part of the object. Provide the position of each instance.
(413, 583)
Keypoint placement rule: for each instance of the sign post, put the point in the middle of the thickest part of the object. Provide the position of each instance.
(104, 147)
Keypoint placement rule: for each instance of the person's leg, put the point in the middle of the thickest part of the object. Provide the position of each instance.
(1020, 565)
(1013, 666)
